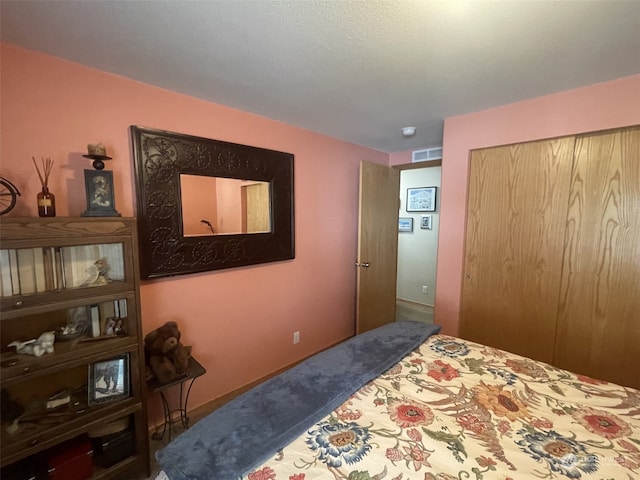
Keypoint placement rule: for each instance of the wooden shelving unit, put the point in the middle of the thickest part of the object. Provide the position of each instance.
(76, 277)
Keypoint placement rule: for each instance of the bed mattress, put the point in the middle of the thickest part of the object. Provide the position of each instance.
(453, 409)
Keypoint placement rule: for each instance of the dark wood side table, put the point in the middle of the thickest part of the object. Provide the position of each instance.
(194, 370)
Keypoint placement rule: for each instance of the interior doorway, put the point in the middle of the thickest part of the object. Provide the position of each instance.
(377, 258)
(418, 241)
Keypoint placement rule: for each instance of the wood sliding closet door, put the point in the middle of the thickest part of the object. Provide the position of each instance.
(518, 198)
(598, 330)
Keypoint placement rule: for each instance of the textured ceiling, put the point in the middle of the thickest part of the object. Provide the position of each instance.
(354, 70)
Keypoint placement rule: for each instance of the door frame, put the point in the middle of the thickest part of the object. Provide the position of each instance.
(400, 168)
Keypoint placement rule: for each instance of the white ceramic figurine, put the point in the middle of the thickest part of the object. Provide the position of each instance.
(36, 346)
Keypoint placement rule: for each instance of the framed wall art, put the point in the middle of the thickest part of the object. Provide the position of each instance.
(422, 199)
(109, 380)
(405, 224)
(425, 222)
(98, 186)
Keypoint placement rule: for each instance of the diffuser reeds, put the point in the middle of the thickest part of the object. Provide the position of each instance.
(47, 165)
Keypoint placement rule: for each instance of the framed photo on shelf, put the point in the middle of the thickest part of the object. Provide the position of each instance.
(422, 199)
(109, 380)
(98, 186)
(425, 222)
(114, 326)
(405, 224)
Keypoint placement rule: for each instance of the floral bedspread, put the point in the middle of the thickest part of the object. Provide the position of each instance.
(453, 409)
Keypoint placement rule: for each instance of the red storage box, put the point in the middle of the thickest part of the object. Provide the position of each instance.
(71, 460)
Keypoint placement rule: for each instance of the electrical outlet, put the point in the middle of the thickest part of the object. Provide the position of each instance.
(296, 337)
(425, 289)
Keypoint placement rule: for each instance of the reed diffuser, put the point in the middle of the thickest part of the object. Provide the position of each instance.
(46, 199)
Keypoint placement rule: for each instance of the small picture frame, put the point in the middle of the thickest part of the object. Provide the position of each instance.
(422, 199)
(98, 185)
(109, 380)
(405, 224)
(425, 222)
(114, 326)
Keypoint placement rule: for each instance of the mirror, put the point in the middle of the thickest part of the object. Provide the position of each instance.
(205, 204)
(224, 206)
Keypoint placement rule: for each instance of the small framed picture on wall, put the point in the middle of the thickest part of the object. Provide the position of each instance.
(405, 224)
(421, 199)
(425, 222)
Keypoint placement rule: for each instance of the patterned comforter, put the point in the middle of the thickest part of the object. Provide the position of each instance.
(453, 409)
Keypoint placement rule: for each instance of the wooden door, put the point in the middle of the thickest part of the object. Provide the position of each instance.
(377, 246)
(599, 312)
(256, 213)
(518, 196)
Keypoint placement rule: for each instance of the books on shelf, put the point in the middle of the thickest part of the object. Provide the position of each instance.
(95, 321)
(27, 271)
(112, 253)
(39, 270)
(13, 267)
(122, 304)
(6, 285)
(50, 273)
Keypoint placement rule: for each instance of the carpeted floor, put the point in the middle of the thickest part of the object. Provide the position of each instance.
(408, 311)
(157, 444)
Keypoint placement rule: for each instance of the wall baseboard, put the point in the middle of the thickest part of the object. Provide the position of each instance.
(415, 305)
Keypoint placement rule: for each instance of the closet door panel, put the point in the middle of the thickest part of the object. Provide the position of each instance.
(598, 330)
(518, 197)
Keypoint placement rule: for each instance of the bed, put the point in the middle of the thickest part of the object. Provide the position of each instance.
(405, 402)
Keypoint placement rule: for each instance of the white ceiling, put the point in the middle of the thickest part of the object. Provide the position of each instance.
(354, 70)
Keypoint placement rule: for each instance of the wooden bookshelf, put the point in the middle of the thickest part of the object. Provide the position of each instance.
(76, 278)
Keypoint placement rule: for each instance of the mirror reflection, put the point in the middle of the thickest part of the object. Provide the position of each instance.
(224, 206)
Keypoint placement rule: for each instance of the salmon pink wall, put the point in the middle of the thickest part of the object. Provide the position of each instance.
(401, 158)
(598, 107)
(240, 321)
(198, 197)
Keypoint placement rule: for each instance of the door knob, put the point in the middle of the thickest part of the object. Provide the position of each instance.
(364, 265)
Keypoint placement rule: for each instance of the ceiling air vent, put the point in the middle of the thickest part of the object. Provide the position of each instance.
(426, 155)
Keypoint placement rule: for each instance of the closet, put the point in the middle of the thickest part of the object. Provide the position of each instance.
(552, 252)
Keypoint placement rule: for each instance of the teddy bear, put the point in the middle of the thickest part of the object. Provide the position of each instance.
(167, 359)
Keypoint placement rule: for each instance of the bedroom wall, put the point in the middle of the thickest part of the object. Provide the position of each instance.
(597, 107)
(240, 321)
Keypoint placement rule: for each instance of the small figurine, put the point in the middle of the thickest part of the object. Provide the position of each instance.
(103, 268)
(36, 346)
(97, 273)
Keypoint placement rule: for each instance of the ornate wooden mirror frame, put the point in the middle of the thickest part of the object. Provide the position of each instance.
(160, 158)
